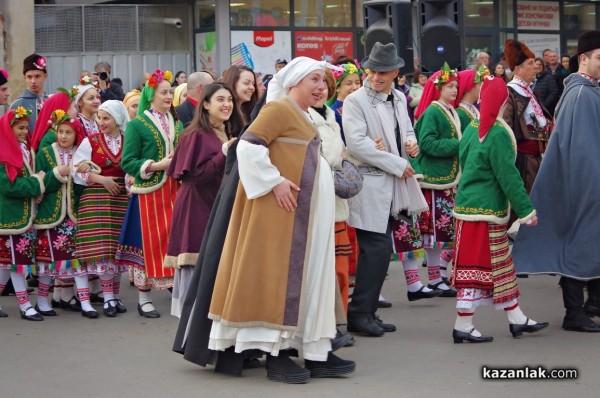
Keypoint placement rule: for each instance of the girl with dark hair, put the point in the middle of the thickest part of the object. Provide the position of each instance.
(242, 81)
(198, 164)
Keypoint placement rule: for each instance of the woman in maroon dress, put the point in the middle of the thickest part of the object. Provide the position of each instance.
(198, 164)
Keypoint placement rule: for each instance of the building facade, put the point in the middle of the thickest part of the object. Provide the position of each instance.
(136, 36)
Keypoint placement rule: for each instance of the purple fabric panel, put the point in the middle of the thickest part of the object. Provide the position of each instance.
(300, 233)
(253, 139)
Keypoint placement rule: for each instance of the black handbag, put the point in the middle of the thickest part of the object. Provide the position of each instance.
(348, 181)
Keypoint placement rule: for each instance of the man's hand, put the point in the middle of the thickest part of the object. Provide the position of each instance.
(408, 171)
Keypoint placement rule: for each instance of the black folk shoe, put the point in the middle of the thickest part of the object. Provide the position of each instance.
(459, 337)
(518, 330)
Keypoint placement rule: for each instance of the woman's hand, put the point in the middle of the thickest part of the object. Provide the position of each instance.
(111, 185)
(283, 195)
(163, 164)
(39, 199)
(83, 167)
(64, 170)
(532, 222)
(412, 148)
(41, 173)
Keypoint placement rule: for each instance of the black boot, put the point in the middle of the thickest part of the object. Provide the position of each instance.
(332, 367)
(575, 317)
(230, 362)
(282, 368)
(592, 305)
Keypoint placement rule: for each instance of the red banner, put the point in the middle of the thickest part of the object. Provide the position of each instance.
(323, 46)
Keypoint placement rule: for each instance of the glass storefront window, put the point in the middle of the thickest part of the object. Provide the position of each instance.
(323, 13)
(579, 16)
(205, 14)
(506, 13)
(359, 13)
(258, 13)
(479, 13)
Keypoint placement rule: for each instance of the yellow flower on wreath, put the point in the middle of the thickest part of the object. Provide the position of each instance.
(168, 76)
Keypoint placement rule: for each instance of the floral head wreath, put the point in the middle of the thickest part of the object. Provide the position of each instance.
(481, 74)
(58, 117)
(87, 80)
(158, 76)
(446, 75)
(20, 114)
(348, 69)
(148, 91)
(72, 92)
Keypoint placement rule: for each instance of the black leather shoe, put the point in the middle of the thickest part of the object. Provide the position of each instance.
(332, 367)
(387, 327)
(93, 314)
(445, 292)
(420, 294)
(340, 340)
(121, 309)
(517, 330)
(383, 304)
(591, 309)
(109, 309)
(34, 317)
(581, 325)
(282, 368)
(3, 314)
(147, 314)
(72, 305)
(459, 337)
(365, 325)
(96, 298)
(45, 313)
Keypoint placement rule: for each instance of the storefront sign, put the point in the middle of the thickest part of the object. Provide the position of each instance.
(260, 49)
(323, 46)
(538, 42)
(206, 51)
(538, 15)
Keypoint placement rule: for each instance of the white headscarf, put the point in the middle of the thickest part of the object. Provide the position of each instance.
(81, 89)
(290, 75)
(118, 111)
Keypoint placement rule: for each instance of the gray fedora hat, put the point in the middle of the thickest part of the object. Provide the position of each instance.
(383, 58)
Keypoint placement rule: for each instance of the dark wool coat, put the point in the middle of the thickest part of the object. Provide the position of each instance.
(566, 191)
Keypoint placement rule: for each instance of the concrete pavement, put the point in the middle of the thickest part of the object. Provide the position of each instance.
(130, 356)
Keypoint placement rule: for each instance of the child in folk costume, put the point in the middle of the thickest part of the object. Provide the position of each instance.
(44, 134)
(483, 269)
(198, 164)
(469, 84)
(19, 190)
(438, 131)
(103, 202)
(56, 219)
(150, 141)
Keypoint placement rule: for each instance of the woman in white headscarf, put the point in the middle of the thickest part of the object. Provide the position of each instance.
(275, 297)
(103, 202)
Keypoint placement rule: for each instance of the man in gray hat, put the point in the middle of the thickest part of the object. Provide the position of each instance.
(376, 116)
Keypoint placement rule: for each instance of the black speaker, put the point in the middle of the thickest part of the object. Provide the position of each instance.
(441, 34)
(390, 22)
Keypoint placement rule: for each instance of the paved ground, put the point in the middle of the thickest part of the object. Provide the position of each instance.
(130, 356)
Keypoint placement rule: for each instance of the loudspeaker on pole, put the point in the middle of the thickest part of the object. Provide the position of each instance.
(390, 22)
